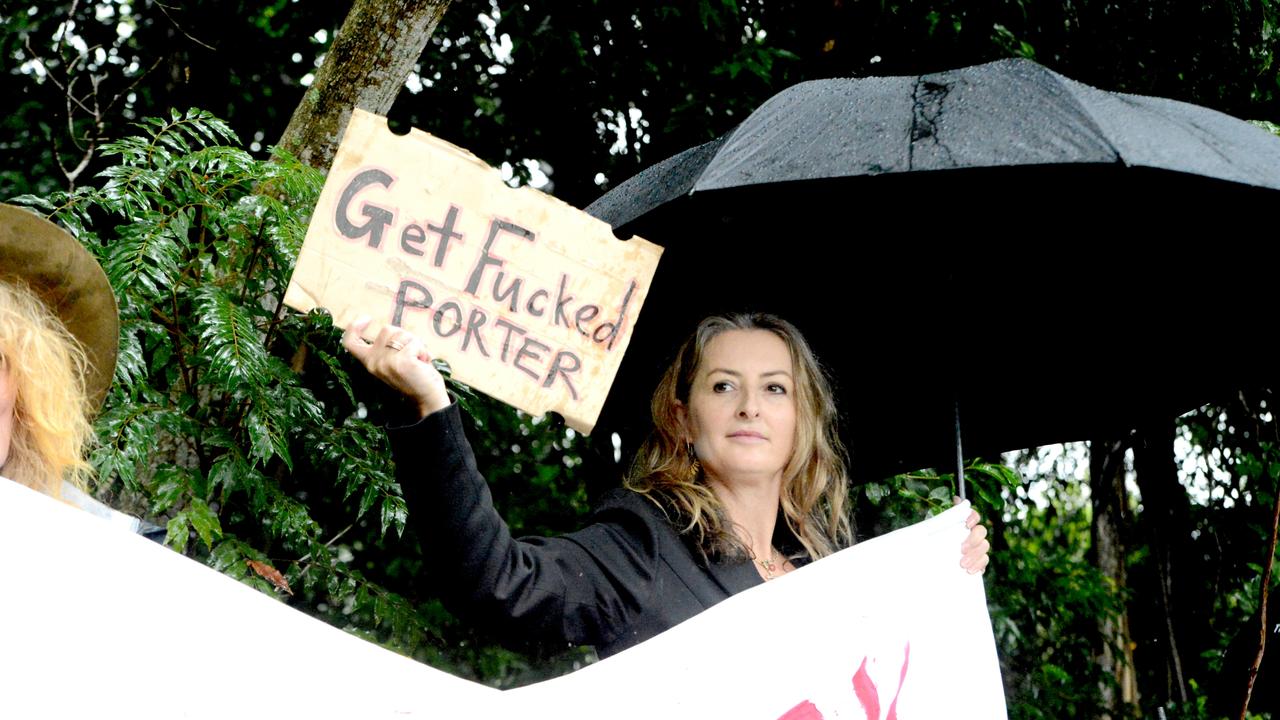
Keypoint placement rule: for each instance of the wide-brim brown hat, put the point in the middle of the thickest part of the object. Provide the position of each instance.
(71, 282)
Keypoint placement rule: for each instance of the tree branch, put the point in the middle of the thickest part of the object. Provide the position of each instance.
(1265, 593)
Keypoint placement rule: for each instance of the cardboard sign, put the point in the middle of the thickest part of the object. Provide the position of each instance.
(529, 300)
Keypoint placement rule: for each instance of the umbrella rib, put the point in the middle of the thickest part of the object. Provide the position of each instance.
(1067, 84)
(1202, 133)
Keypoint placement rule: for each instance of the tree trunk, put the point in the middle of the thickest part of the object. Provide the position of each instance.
(1166, 518)
(1110, 508)
(366, 66)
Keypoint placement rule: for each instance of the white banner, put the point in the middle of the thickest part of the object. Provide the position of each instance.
(98, 622)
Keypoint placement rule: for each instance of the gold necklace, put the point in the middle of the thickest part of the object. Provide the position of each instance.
(770, 569)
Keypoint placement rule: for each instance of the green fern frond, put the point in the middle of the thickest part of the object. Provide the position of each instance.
(268, 433)
(144, 259)
(229, 343)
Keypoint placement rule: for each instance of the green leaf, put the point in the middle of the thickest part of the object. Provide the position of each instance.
(229, 342)
(131, 366)
(876, 492)
(228, 558)
(177, 530)
(225, 470)
(336, 368)
(168, 488)
(991, 498)
(367, 499)
(941, 493)
(268, 437)
(394, 514)
(127, 435)
(144, 259)
(204, 521)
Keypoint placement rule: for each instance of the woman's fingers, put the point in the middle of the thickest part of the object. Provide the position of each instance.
(976, 543)
(976, 564)
(353, 340)
(400, 359)
(416, 349)
(974, 551)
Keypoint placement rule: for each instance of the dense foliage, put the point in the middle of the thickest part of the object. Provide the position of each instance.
(237, 422)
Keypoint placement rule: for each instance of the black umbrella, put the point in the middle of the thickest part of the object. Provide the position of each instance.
(1057, 261)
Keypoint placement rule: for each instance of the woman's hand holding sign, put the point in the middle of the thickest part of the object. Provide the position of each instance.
(398, 358)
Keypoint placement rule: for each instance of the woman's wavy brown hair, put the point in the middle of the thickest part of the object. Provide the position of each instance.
(51, 412)
(815, 485)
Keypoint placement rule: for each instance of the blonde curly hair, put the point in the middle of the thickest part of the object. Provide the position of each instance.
(45, 368)
(815, 489)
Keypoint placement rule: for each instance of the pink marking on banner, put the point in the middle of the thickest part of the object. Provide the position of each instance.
(804, 711)
(865, 689)
(893, 706)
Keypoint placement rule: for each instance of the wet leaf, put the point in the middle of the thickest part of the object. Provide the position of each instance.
(204, 521)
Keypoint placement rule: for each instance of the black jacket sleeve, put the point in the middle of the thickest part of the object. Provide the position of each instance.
(581, 588)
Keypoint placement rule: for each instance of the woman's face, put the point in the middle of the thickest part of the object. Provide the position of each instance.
(741, 414)
(8, 395)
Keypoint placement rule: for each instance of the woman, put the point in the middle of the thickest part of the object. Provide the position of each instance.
(44, 424)
(58, 338)
(742, 481)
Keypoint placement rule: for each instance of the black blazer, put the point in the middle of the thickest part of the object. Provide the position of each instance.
(615, 583)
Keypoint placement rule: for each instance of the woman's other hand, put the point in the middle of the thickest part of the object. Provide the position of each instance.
(974, 550)
(398, 358)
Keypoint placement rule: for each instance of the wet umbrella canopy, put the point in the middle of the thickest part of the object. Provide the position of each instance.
(1061, 261)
